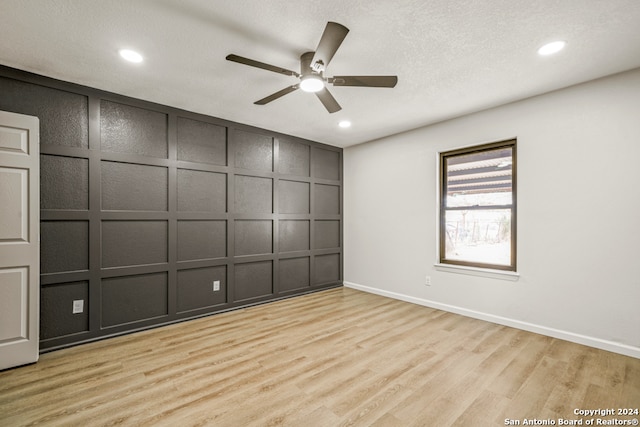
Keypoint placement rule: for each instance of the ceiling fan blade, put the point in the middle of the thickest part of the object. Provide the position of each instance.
(330, 41)
(364, 81)
(328, 101)
(258, 64)
(277, 95)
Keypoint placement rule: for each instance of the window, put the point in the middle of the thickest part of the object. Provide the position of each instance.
(478, 206)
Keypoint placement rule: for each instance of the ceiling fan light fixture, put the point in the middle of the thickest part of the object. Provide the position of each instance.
(311, 83)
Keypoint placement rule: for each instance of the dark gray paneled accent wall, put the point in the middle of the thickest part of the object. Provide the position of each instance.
(145, 209)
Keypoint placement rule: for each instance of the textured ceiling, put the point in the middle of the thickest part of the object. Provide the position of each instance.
(451, 57)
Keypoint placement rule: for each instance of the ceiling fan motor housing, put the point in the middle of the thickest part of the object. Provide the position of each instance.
(310, 79)
(305, 65)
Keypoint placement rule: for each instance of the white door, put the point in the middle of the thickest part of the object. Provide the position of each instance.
(19, 239)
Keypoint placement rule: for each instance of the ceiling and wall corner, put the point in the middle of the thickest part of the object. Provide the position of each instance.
(451, 58)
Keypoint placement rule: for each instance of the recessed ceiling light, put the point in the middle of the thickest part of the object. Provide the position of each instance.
(551, 48)
(130, 55)
(344, 124)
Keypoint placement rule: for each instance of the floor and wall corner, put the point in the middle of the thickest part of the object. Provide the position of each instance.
(577, 215)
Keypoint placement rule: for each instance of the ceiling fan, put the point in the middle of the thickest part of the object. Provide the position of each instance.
(312, 67)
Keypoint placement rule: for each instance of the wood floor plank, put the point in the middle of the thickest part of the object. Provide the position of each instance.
(532, 348)
(630, 395)
(485, 410)
(339, 357)
(530, 401)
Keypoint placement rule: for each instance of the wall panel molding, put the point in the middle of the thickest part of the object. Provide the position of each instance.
(146, 206)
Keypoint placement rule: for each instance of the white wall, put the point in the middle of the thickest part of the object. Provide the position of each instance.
(578, 215)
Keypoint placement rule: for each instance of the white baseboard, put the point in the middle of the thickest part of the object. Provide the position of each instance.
(614, 347)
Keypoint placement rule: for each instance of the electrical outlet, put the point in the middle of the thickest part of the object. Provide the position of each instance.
(216, 285)
(78, 306)
(427, 280)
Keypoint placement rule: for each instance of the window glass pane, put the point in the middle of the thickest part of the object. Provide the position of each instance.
(479, 199)
(478, 236)
(479, 179)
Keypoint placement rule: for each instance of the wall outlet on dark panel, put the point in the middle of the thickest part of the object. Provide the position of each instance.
(78, 306)
(216, 285)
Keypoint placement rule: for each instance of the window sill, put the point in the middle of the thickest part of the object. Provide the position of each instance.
(482, 272)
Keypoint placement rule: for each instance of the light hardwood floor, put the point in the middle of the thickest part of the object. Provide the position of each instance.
(332, 358)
